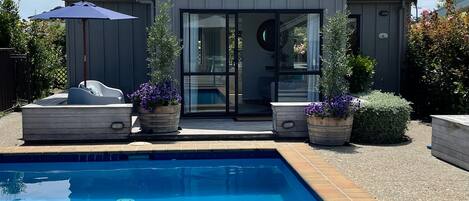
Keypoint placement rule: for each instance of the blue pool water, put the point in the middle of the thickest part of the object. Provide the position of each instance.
(234, 179)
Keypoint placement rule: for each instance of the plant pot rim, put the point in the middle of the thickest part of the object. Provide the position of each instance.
(313, 116)
(139, 108)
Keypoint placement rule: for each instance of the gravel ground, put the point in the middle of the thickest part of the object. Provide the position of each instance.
(399, 172)
(10, 129)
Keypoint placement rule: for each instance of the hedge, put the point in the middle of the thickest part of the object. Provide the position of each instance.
(382, 119)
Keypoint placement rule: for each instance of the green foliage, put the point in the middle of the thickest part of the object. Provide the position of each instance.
(44, 57)
(336, 34)
(43, 42)
(383, 118)
(363, 70)
(163, 46)
(11, 34)
(438, 70)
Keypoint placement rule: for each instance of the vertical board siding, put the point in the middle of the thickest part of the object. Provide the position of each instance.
(296, 4)
(246, 4)
(278, 4)
(262, 4)
(116, 49)
(125, 48)
(385, 51)
(232, 4)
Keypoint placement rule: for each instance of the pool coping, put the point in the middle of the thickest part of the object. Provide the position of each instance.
(322, 177)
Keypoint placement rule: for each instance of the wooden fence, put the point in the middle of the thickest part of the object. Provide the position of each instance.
(13, 85)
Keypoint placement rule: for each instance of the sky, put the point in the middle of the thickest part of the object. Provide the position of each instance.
(32, 7)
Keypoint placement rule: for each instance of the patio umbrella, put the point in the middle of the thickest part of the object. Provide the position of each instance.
(82, 10)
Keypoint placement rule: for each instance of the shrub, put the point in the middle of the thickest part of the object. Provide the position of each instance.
(382, 118)
(44, 58)
(438, 70)
(363, 70)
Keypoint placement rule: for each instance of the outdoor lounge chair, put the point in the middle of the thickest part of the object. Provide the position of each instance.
(95, 93)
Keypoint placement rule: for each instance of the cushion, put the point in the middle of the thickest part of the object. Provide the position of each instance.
(94, 90)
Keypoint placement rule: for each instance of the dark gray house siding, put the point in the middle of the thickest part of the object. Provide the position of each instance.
(387, 51)
(117, 49)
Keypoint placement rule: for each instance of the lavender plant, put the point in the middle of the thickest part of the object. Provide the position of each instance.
(149, 96)
(341, 106)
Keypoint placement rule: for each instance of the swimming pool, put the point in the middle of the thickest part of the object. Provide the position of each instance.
(211, 176)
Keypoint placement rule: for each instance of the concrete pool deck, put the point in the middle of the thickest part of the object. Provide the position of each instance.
(397, 172)
(326, 181)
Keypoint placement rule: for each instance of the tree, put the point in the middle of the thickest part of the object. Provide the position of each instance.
(162, 46)
(11, 34)
(335, 60)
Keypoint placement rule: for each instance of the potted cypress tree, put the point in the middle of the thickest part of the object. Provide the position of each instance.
(330, 122)
(158, 101)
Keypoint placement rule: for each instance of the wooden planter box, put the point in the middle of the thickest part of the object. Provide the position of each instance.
(289, 119)
(450, 139)
(52, 119)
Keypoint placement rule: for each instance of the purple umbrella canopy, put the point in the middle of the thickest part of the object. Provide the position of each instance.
(82, 10)
(85, 11)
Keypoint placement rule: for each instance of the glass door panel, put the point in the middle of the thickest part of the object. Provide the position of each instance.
(298, 57)
(204, 93)
(204, 43)
(299, 42)
(208, 61)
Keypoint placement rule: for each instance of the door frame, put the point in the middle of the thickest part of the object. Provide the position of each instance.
(227, 73)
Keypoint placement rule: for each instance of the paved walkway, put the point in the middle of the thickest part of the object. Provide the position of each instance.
(398, 172)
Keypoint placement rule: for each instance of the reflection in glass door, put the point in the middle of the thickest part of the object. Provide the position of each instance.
(299, 57)
(207, 70)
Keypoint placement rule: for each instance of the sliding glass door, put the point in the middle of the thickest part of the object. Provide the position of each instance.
(208, 68)
(237, 62)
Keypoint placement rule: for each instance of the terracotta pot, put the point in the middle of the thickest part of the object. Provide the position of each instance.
(329, 131)
(163, 119)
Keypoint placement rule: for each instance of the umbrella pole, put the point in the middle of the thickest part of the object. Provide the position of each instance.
(84, 51)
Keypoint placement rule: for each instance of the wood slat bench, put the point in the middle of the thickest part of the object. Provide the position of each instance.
(51, 119)
(450, 139)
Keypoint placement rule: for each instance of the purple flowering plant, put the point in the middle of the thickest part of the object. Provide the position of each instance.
(149, 95)
(341, 106)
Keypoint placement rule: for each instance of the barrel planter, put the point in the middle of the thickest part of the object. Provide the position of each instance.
(164, 119)
(329, 131)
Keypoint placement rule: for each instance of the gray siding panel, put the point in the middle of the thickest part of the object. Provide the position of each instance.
(312, 4)
(230, 4)
(116, 49)
(262, 4)
(214, 4)
(295, 4)
(194, 4)
(125, 49)
(139, 40)
(278, 4)
(384, 50)
(96, 50)
(246, 4)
